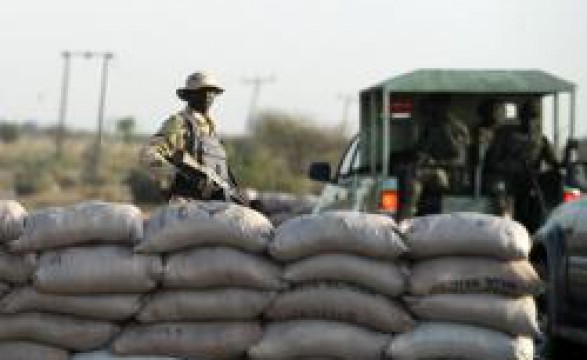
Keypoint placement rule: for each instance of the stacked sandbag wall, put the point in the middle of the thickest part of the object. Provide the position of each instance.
(345, 281)
(471, 288)
(216, 283)
(86, 279)
(211, 280)
(16, 270)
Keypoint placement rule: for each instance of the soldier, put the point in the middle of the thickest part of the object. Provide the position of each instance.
(189, 136)
(442, 144)
(518, 153)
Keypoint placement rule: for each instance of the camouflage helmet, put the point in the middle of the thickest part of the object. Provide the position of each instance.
(198, 81)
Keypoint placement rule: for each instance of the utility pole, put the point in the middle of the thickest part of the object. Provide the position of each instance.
(60, 136)
(256, 82)
(60, 131)
(347, 101)
(106, 57)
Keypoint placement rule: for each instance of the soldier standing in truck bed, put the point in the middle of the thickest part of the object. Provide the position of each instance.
(518, 154)
(191, 131)
(442, 146)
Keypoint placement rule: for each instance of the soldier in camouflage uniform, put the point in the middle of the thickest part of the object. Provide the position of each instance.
(191, 131)
(518, 155)
(442, 144)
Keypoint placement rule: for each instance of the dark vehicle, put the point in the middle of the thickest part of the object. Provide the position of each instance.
(377, 170)
(560, 255)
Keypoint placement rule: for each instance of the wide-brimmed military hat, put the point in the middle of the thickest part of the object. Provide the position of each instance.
(198, 81)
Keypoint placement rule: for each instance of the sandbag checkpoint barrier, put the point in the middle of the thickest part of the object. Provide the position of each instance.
(217, 281)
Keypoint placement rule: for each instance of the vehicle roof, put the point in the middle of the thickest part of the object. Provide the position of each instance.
(476, 82)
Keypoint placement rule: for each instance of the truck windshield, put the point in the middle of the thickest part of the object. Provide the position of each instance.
(351, 162)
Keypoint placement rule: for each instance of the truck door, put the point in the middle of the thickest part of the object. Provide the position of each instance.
(350, 184)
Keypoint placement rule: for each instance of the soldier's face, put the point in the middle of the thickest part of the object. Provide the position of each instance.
(201, 100)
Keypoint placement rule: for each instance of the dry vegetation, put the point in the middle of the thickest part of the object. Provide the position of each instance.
(274, 157)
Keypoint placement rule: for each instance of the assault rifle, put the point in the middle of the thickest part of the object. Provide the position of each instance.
(207, 180)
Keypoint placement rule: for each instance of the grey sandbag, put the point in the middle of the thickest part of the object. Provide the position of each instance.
(62, 331)
(210, 341)
(107, 355)
(220, 267)
(515, 316)
(103, 307)
(12, 219)
(303, 339)
(383, 277)
(464, 342)
(474, 275)
(88, 222)
(22, 350)
(341, 304)
(219, 304)
(370, 235)
(16, 268)
(206, 223)
(469, 234)
(102, 269)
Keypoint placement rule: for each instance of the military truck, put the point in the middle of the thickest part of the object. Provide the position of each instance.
(377, 168)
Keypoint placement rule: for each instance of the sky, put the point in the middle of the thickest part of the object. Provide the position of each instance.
(316, 51)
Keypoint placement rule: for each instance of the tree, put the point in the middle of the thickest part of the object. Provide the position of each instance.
(125, 127)
(9, 132)
(278, 152)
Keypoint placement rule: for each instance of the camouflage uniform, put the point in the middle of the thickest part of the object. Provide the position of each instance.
(515, 159)
(443, 144)
(191, 132)
(171, 139)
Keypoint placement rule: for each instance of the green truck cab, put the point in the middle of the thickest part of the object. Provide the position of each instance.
(374, 172)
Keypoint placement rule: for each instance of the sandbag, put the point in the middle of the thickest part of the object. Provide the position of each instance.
(341, 304)
(22, 350)
(383, 277)
(515, 316)
(88, 222)
(221, 304)
(370, 235)
(206, 223)
(97, 270)
(107, 355)
(220, 267)
(464, 342)
(210, 341)
(102, 307)
(469, 234)
(58, 330)
(316, 339)
(16, 269)
(474, 275)
(12, 218)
